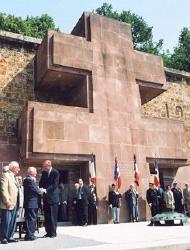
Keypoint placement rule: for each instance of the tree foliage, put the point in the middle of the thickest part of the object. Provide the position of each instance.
(141, 31)
(180, 59)
(31, 26)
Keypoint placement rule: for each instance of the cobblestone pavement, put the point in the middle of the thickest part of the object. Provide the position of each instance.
(106, 237)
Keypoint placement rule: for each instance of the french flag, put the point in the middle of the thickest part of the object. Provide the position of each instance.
(117, 176)
(156, 176)
(136, 175)
(92, 169)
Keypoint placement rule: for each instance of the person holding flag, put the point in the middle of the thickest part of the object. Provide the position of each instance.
(114, 197)
(114, 200)
(158, 187)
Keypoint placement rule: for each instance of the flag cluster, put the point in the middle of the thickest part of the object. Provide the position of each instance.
(117, 175)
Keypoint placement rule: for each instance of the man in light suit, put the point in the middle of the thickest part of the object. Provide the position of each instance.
(9, 202)
(49, 184)
(31, 200)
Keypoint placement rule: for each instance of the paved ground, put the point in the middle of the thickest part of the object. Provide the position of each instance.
(108, 237)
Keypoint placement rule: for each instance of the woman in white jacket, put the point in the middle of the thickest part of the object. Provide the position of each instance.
(169, 199)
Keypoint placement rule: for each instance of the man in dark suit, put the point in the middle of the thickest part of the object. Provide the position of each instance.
(49, 184)
(31, 200)
(152, 199)
(82, 199)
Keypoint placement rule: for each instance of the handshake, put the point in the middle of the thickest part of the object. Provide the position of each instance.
(43, 191)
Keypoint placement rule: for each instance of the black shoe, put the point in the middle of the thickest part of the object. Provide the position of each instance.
(4, 241)
(52, 236)
(46, 236)
(12, 240)
(30, 238)
(151, 224)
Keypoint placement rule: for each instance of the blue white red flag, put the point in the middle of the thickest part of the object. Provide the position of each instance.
(92, 169)
(136, 175)
(117, 176)
(156, 176)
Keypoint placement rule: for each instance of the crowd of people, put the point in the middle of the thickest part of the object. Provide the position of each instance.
(170, 199)
(158, 199)
(23, 198)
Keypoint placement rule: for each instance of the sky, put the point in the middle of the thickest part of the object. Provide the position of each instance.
(167, 17)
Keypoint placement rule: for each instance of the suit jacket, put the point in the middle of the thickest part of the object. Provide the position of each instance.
(114, 199)
(152, 196)
(83, 194)
(8, 190)
(51, 184)
(31, 193)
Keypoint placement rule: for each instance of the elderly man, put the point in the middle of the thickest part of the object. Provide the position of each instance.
(8, 202)
(31, 201)
(49, 184)
(131, 197)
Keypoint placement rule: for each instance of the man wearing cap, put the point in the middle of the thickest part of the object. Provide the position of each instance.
(177, 198)
(152, 199)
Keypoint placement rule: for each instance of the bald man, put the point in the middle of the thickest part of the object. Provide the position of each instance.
(32, 195)
(49, 184)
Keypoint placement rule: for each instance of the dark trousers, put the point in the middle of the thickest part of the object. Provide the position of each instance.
(76, 214)
(92, 214)
(64, 212)
(83, 212)
(31, 218)
(50, 214)
(8, 223)
(154, 209)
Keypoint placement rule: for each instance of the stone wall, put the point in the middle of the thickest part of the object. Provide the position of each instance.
(16, 85)
(16, 88)
(175, 102)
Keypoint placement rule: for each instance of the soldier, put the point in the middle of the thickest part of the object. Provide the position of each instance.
(152, 199)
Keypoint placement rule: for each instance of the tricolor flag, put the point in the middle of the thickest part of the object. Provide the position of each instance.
(117, 176)
(92, 170)
(136, 175)
(156, 176)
